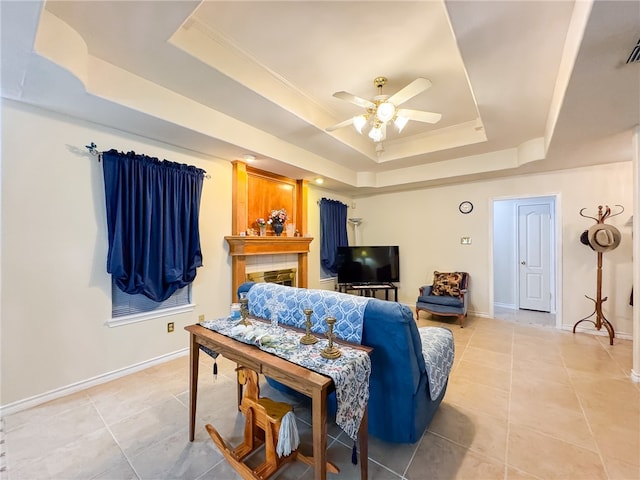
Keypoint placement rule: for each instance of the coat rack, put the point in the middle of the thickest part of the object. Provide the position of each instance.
(600, 320)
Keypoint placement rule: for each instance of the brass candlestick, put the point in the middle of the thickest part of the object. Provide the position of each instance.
(308, 338)
(330, 351)
(244, 311)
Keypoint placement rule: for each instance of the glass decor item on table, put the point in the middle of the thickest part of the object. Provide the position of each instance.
(262, 226)
(235, 312)
(275, 311)
(308, 338)
(330, 351)
(244, 309)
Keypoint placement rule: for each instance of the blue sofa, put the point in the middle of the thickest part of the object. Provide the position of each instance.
(400, 403)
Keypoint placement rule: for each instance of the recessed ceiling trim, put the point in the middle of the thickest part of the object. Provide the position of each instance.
(474, 164)
(124, 88)
(213, 49)
(575, 34)
(61, 44)
(467, 133)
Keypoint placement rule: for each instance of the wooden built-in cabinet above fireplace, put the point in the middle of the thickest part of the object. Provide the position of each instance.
(256, 193)
(272, 193)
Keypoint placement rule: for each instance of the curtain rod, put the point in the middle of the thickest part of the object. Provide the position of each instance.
(93, 150)
(331, 199)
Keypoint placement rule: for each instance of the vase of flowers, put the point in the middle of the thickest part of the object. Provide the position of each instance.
(277, 219)
(262, 225)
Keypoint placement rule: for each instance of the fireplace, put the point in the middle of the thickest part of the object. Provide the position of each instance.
(284, 276)
(244, 248)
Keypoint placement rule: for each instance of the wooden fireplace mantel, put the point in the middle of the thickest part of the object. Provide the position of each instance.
(239, 245)
(242, 246)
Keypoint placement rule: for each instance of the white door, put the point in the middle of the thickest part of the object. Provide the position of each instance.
(534, 245)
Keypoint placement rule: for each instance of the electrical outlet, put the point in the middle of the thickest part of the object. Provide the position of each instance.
(201, 318)
(169, 327)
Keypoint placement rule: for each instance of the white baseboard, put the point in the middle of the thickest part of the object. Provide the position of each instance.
(601, 333)
(510, 306)
(36, 400)
(635, 376)
(478, 314)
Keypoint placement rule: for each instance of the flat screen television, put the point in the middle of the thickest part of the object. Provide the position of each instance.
(372, 265)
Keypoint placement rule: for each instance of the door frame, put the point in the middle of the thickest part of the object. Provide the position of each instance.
(556, 249)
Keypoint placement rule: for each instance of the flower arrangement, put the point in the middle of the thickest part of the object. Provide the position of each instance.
(261, 222)
(277, 216)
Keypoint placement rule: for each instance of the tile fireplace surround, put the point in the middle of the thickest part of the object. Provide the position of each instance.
(280, 247)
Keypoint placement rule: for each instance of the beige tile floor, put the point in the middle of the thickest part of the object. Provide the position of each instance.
(525, 317)
(523, 402)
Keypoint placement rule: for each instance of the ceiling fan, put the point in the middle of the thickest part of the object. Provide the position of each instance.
(384, 109)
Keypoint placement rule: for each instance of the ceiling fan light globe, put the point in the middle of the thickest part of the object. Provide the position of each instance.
(359, 122)
(385, 111)
(376, 134)
(400, 123)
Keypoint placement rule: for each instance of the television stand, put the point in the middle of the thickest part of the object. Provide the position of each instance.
(369, 289)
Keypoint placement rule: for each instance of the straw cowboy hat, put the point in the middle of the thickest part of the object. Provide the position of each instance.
(603, 237)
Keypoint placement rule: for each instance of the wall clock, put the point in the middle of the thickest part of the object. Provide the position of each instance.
(465, 207)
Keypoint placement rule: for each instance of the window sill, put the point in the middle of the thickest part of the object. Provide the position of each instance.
(142, 317)
(329, 280)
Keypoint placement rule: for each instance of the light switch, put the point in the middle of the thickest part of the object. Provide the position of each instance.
(465, 240)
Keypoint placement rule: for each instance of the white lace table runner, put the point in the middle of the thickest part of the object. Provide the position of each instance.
(350, 372)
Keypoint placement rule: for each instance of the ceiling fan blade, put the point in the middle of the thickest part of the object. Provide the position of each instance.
(361, 102)
(419, 85)
(420, 116)
(346, 123)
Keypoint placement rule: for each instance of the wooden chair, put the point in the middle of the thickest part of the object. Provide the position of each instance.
(263, 418)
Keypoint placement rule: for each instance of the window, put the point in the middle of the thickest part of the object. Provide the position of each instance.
(127, 308)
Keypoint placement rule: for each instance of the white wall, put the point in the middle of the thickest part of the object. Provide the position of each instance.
(504, 252)
(56, 292)
(427, 226)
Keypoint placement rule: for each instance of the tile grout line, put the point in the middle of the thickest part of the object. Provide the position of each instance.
(413, 454)
(4, 470)
(508, 434)
(584, 413)
(115, 440)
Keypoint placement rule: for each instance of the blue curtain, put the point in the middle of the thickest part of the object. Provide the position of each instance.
(152, 223)
(333, 232)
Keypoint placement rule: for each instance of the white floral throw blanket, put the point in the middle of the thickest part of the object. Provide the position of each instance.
(350, 372)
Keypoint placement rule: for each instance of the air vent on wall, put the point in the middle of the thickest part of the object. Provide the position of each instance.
(635, 54)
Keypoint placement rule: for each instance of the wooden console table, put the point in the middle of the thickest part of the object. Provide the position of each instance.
(301, 379)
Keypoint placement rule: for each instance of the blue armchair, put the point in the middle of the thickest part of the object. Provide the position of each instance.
(448, 295)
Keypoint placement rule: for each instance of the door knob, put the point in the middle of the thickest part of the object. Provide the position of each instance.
(523, 263)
